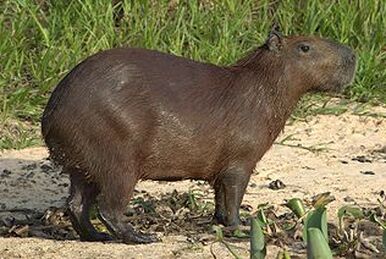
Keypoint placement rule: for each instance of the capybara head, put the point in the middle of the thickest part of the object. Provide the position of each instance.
(312, 62)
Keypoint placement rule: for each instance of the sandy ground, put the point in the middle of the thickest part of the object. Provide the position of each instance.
(351, 165)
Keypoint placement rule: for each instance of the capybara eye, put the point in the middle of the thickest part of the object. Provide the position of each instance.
(304, 48)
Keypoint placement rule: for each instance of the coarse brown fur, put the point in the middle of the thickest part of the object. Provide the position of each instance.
(128, 114)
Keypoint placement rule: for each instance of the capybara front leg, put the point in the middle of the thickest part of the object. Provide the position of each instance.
(229, 192)
(112, 205)
(220, 209)
(82, 198)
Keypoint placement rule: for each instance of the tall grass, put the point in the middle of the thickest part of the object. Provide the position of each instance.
(41, 40)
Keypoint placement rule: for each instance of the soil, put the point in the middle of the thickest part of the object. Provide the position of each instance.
(344, 155)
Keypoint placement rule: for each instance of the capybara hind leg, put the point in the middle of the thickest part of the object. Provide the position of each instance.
(220, 210)
(82, 198)
(112, 204)
(229, 192)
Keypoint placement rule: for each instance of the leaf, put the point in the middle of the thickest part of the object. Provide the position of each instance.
(261, 217)
(239, 233)
(283, 255)
(296, 206)
(219, 233)
(321, 200)
(317, 247)
(373, 218)
(348, 210)
(316, 219)
(220, 239)
(258, 249)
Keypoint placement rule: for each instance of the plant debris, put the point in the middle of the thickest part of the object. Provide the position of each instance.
(361, 159)
(367, 172)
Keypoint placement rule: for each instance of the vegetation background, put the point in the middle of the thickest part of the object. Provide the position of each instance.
(41, 40)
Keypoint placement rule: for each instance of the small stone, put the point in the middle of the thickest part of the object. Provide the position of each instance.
(20, 231)
(29, 166)
(276, 185)
(5, 173)
(8, 221)
(46, 166)
(246, 207)
(30, 174)
(348, 199)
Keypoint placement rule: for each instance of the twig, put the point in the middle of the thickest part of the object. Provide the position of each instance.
(312, 149)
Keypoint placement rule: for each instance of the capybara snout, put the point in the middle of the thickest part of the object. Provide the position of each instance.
(348, 66)
(324, 64)
(128, 114)
(344, 67)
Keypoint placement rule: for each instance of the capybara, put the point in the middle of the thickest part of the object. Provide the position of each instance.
(129, 114)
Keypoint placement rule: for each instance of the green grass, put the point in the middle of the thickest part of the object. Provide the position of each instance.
(41, 40)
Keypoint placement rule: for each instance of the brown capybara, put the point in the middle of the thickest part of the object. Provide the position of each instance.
(127, 114)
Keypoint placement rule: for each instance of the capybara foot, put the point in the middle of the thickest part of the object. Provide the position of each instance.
(97, 237)
(219, 218)
(140, 238)
(117, 224)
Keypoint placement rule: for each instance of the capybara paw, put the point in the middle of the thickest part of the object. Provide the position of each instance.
(97, 237)
(219, 218)
(139, 238)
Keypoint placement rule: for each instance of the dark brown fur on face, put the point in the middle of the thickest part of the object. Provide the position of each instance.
(128, 114)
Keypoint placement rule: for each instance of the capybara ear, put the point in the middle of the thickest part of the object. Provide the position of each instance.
(275, 39)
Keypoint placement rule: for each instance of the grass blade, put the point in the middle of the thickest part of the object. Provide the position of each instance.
(317, 247)
(283, 255)
(316, 219)
(349, 211)
(296, 206)
(258, 249)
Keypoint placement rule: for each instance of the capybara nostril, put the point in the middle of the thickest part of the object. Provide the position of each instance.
(348, 54)
(352, 57)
